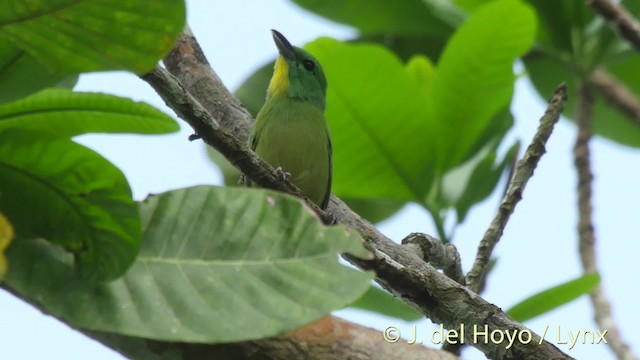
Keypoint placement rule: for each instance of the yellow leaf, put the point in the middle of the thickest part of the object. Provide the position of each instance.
(6, 235)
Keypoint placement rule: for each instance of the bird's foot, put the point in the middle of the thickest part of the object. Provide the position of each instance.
(332, 218)
(283, 175)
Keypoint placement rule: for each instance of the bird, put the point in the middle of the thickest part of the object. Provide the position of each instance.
(290, 131)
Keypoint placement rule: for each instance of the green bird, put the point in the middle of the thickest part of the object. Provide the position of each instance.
(290, 131)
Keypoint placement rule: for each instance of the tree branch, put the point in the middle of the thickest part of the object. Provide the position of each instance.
(524, 171)
(616, 93)
(187, 62)
(438, 254)
(624, 22)
(601, 306)
(397, 268)
(330, 338)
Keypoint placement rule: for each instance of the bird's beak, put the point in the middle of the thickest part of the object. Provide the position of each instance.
(284, 46)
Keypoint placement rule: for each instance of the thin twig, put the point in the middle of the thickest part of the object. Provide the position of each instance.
(616, 93)
(397, 268)
(523, 173)
(624, 22)
(584, 112)
(601, 306)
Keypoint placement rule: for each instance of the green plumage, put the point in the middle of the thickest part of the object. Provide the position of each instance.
(290, 131)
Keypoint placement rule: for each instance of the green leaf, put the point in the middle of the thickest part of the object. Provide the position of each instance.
(70, 37)
(559, 22)
(408, 17)
(473, 181)
(381, 302)
(554, 297)
(383, 124)
(632, 6)
(67, 113)
(374, 210)
(471, 6)
(396, 118)
(55, 189)
(21, 74)
(216, 265)
(474, 78)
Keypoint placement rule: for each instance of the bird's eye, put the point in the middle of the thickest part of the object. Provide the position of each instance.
(309, 65)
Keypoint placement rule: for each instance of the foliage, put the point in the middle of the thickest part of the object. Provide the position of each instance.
(592, 46)
(442, 164)
(418, 106)
(553, 297)
(419, 121)
(197, 280)
(56, 189)
(87, 253)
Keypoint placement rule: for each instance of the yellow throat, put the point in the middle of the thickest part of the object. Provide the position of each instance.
(280, 80)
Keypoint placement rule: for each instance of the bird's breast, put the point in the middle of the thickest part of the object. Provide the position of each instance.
(296, 139)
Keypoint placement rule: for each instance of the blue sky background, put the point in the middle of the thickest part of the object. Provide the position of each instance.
(538, 249)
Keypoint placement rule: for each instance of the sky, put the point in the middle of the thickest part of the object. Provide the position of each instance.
(537, 250)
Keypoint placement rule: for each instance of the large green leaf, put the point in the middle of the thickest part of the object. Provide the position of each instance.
(21, 74)
(55, 189)
(216, 265)
(66, 113)
(473, 181)
(408, 17)
(398, 121)
(383, 146)
(374, 210)
(554, 297)
(474, 78)
(72, 36)
(407, 46)
(379, 301)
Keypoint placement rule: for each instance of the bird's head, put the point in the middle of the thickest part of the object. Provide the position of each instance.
(297, 74)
